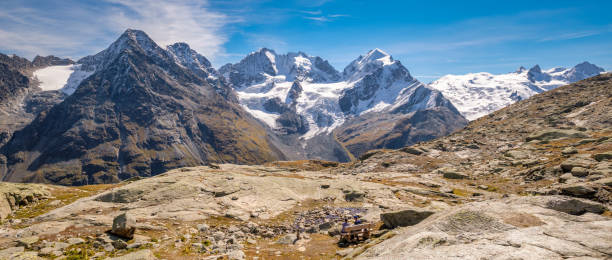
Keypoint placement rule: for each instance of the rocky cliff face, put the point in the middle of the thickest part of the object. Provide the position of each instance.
(139, 114)
(20, 98)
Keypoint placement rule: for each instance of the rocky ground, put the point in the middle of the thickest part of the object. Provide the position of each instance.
(531, 181)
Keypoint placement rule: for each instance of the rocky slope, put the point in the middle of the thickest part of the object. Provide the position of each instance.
(139, 113)
(530, 181)
(304, 97)
(478, 94)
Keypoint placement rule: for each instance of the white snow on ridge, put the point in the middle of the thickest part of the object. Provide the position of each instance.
(478, 94)
(53, 77)
(64, 77)
(374, 82)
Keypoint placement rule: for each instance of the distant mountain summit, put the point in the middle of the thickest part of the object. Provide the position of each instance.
(478, 94)
(265, 63)
(142, 111)
(319, 100)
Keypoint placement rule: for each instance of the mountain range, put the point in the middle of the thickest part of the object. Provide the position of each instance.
(478, 94)
(138, 109)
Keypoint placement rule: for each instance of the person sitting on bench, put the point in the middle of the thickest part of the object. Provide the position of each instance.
(357, 220)
(345, 225)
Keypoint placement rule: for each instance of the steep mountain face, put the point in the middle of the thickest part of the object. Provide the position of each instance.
(199, 65)
(20, 96)
(138, 114)
(478, 94)
(304, 96)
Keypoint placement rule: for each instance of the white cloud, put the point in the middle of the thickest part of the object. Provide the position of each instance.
(75, 29)
(169, 21)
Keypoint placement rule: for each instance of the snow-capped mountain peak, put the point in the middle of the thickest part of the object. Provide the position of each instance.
(366, 64)
(130, 40)
(314, 90)
(478, 94)
(266, 65)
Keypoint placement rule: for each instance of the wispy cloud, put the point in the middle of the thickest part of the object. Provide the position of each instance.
(320, 17)
(312, 12)
(571, 36)
(77, 28)
(170, 21)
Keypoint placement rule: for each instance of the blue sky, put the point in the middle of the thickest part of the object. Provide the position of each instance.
(431, 38)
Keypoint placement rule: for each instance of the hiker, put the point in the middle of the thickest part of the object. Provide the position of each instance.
(357, 220)
(345, 225)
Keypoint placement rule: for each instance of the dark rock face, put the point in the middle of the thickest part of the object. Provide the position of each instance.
(139, 114)
(404, 218)
(51, 60)
(12, 82)
(294, 93)
(289, 121)
(20, 100)
(200, 66)
(362, 133)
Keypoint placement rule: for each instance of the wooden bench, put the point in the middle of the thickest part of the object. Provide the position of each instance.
(356, 233)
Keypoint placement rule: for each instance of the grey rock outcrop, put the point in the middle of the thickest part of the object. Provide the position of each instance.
(124, 226)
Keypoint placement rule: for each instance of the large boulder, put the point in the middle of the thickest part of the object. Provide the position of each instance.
(404, 218)
(574, 206)
(577, 161)
(124, 226)
(578, 190)
(450, 173)
(603, 156)
(552, 134)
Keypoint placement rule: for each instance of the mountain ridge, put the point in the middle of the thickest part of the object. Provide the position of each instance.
(478, 94)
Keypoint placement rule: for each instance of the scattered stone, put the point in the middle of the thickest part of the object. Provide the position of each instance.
(236, 255)
(578, 190)
(569, 150)
(483, 187)
(119, 244)
(576, 161)
(552, 134)
(324, 186)
(404, 218)
(145, 254)
(585, 141)
(75, 241)
(565, 177)
(7, 253)
(50, 251)
(326, 225)
(452, 174)
(605, 181)
(124, 226)
(27, 242)
(287, 239)
(344, 252)
(517, 154)
(218, 236)
(580, 172)
(472, 146)
(603, 156)
(202, 227)
(354, 196)
(412, 150)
